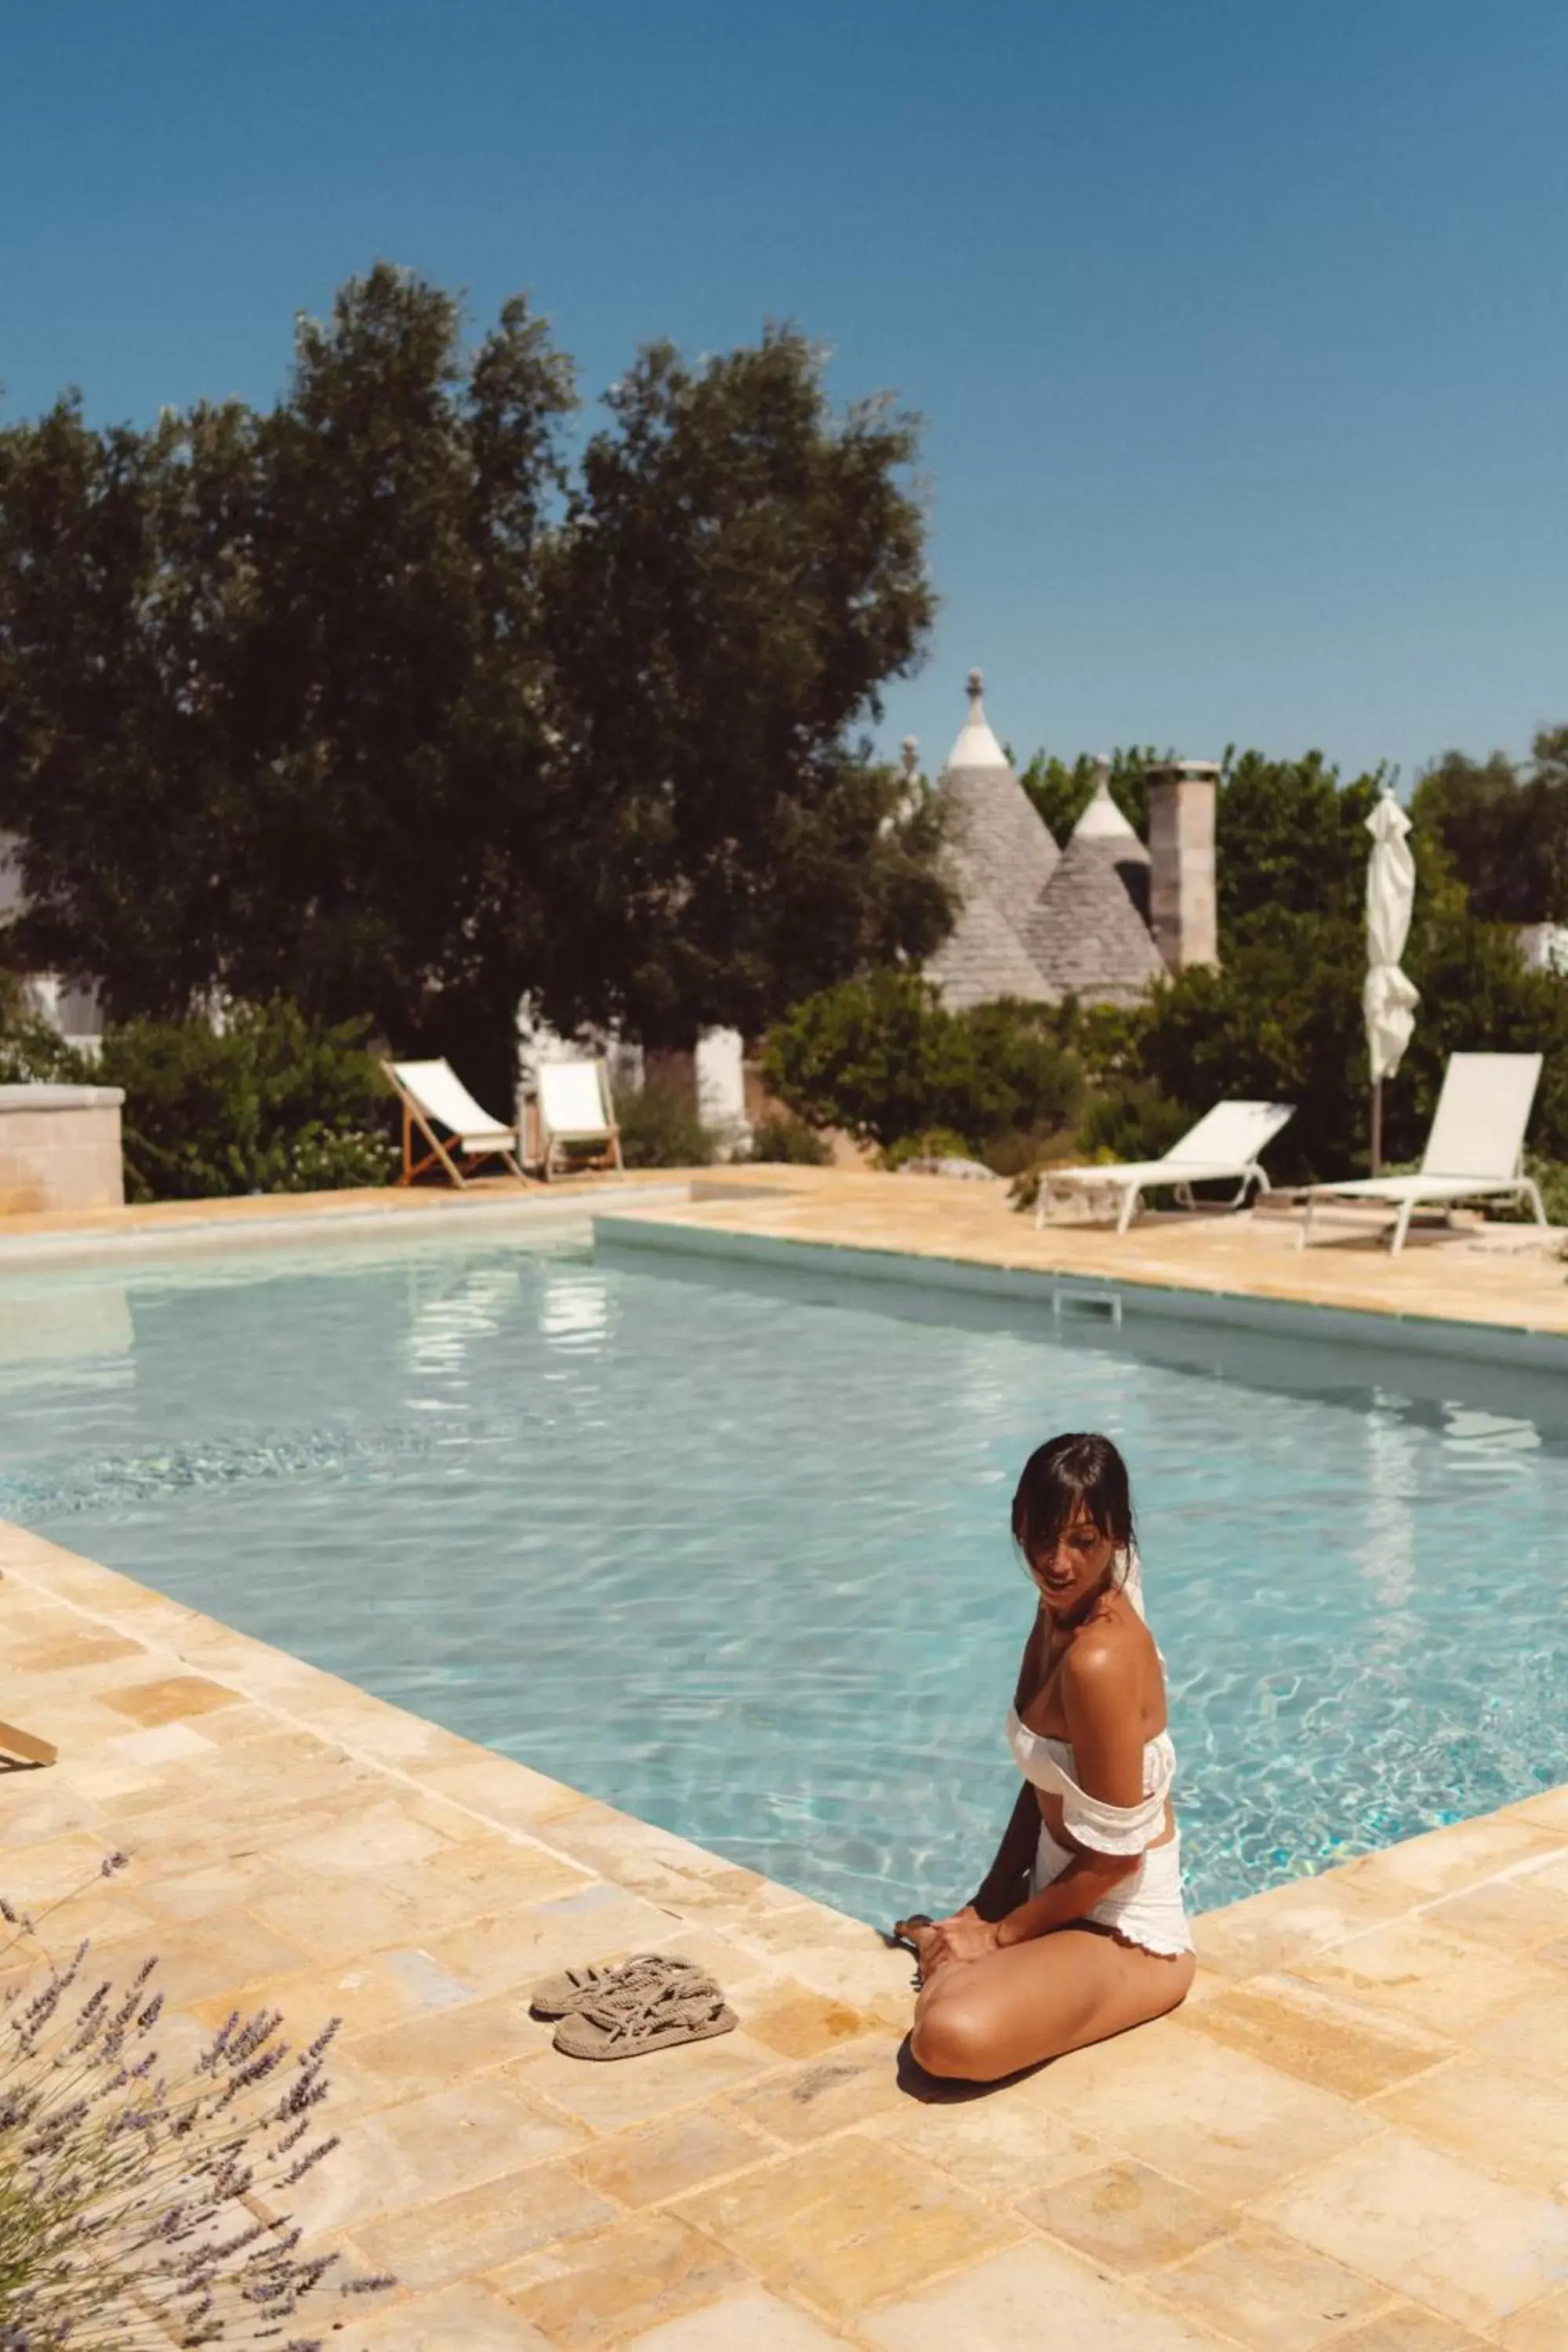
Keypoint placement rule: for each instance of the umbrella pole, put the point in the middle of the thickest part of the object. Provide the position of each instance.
(1377, 1126)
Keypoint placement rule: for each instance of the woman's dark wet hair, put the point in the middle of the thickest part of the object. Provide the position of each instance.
(1079, 1467)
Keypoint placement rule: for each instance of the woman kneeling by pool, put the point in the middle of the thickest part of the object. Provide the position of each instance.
(1078, 1930)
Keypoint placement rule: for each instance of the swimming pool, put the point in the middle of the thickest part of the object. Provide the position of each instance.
(729, 1548)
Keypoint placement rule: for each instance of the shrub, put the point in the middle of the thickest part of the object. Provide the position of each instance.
(660, 1128)
(782, 1139)
(883, 1058)
(1130, 1122)
(34, 1053)
(936, 1143)
(271, 1103)
(140, 2208)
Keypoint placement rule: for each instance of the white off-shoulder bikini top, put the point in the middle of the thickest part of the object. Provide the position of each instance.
(1048, 1764)
(1088, 1820)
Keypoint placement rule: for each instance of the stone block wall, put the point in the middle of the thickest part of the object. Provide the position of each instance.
(59, 1149)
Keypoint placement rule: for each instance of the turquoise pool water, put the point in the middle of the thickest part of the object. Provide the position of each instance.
(732, 1551)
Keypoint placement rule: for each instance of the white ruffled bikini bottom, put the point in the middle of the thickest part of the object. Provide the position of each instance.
(1145, 1909)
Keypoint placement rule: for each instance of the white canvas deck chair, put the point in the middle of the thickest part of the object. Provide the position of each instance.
(574, 1108)
(433, 1096)
(1474, 1152)
(1222, 1148)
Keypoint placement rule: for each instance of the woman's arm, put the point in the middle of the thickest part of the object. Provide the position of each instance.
(1107, 1750)
(1014, 1858)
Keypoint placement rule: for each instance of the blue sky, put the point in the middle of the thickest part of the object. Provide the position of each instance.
(1240, 330)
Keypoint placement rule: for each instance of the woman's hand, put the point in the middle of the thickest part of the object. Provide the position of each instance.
(966, 1937)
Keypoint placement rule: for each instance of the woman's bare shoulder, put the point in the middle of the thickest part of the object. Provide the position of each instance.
(1114, 1643)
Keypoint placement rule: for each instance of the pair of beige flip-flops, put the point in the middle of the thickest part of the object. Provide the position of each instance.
(649, 2002)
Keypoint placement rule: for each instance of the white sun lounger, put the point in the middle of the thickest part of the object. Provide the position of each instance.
(1223, 1147)
(1474, 1152)
(574, 1106)
(432, 1097)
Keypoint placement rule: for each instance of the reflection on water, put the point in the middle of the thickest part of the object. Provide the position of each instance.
(732, 1551)
(64, 1324)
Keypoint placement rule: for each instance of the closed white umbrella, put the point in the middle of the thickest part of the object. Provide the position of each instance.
(1388, 999)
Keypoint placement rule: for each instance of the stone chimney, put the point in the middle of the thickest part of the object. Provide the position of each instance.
(1182, 908)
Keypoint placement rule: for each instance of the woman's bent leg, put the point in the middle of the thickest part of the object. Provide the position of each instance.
(978, 2020)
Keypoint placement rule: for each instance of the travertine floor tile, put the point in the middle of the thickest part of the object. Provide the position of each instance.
(511, 1794)
(1440, 1982)
(1220, 2122)
(481, 2228)
(596, 2291)
(478, 2037)
(1316, 2036)
(842, 2226)
(488, 1873)
(224, 1959)
(997, 2146)
(1404, 2327)
(1548, 1809)
(460, 2319)
(431, 2149)
(1032, 2297)
(334, 1916)
(1445, 1860)
(808, 2102)
(798, 2023)
(365, 1994)
(751, 2321)
(1290, 1924)
(376, 1837)
(1429, 2227)
(1543, 2327)
(1503, 2118)
(1515, 1915)
(1272, 2294)
(665, 2160)
(516, 1950)
(171, 1699)
(1533, 2034)
(616, 2094)
(69, 1649)
(1125, 2217)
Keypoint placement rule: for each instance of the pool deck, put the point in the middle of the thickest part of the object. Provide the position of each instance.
(1354, 2134)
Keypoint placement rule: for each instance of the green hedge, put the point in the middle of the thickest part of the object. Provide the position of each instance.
(885, 1060)
(269, 1103)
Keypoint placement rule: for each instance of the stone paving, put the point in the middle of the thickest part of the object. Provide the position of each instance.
(1354, 2134)
(1499, 1273)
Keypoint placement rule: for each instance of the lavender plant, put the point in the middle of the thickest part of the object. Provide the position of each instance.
(140, 2210)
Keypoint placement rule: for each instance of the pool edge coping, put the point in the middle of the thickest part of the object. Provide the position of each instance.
(1524, 1345)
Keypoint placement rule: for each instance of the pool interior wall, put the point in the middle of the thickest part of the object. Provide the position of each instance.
(726, 1545)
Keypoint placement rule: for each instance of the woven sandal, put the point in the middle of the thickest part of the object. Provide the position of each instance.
(575, 1989)
(629, 2022)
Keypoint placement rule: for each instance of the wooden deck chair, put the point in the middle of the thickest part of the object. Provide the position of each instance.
(25, 1746)
(574, 1106)
(432, 1097)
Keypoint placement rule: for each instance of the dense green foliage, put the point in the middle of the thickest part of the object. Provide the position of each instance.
(785, 1140)
(1281, 1016)
(1061, 789)
(660, 1128)
(371, 699)
(883, 1060)
(272, 1102)
(1504, 828)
